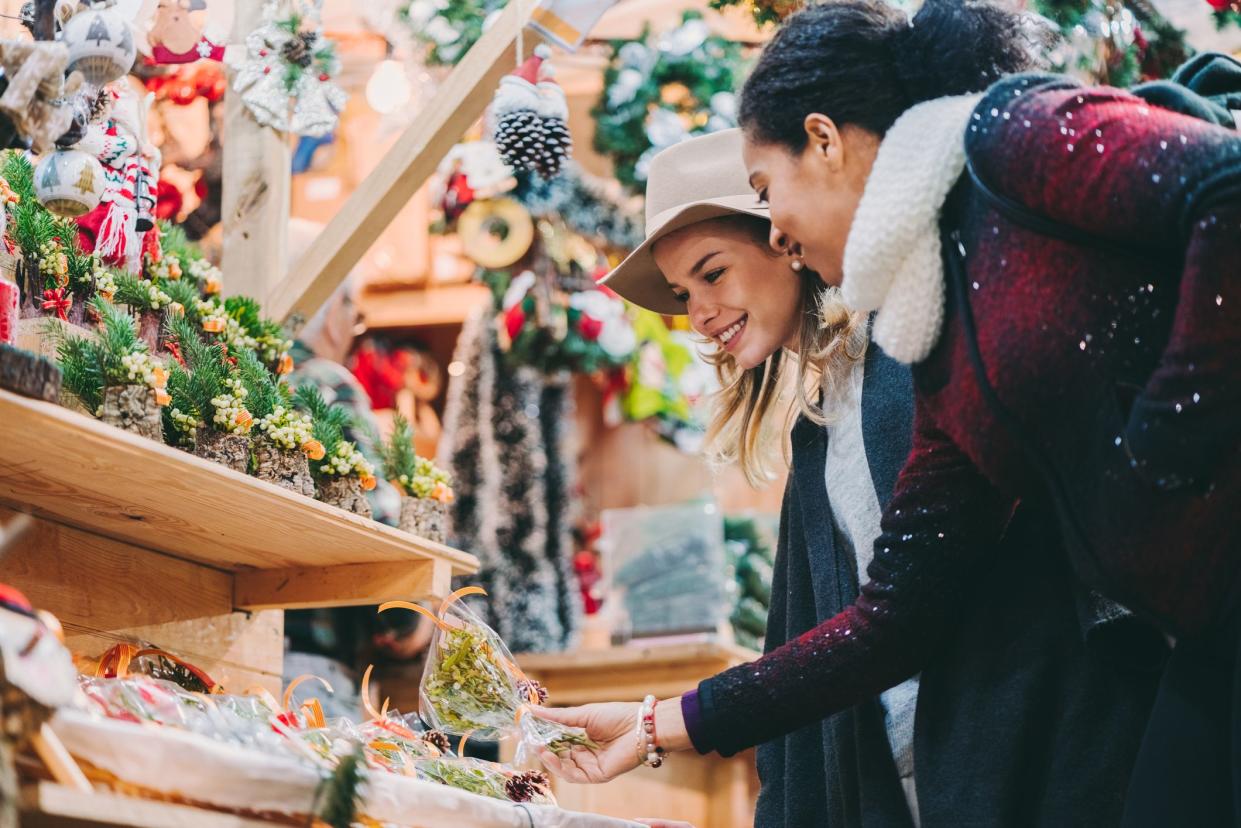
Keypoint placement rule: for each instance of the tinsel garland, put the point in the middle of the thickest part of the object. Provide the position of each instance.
(582, 203)
(504, 443)
(658, 91)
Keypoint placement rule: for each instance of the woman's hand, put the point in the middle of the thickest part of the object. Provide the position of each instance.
(612, 726)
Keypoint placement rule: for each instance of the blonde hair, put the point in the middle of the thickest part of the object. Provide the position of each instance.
(832, 339)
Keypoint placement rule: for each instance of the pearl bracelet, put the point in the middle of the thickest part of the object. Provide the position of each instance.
(649, 752)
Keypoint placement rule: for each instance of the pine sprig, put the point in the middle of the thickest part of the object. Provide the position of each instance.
(185, 293)
(342, 791)
(399, 458)
(330, 421)
(265, 391)
(195, 385)
(131, 290)
(19, 172)
(88, 366)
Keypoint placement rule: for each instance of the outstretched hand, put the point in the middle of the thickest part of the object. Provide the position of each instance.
(612, 726)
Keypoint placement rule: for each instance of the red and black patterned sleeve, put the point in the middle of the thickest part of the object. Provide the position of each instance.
(943, 517)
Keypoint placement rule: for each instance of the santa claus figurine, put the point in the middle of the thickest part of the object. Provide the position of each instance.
(126, 212)
(175, 36)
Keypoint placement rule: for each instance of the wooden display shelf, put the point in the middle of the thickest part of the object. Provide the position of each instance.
(279, 549)
(629, 673)
(47, 805)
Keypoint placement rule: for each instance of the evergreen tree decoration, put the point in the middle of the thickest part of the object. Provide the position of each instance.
(338, 797)
(137, 293)
(446, 30)
(264, 393)
(1115, 43)
(183, 296)
(202, 386)
(117, 357)
(397, 453)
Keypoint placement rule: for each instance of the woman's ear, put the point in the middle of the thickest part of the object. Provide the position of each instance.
(823, 140)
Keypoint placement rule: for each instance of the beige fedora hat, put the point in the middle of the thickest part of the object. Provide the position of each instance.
(695, 180)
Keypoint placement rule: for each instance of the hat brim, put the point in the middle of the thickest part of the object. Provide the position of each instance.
(639, 280)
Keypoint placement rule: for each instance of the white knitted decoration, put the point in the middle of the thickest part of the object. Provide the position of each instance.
(892, 256)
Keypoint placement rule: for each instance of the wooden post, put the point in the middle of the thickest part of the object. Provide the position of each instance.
(257, 172)
(411, 161)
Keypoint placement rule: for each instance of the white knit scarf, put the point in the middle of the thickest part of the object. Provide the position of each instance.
(892, 256)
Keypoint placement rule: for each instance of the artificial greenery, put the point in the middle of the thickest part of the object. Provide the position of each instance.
(89, 366)
(447, 30)
(471, 775)
(184, 293)
(338, 797)
(306, 52)
(681, 90)
(138, 293)
(265, 393)
(201, 375)
(397, 452)
(329, 424)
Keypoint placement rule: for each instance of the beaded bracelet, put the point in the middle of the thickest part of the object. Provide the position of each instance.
(649, 751)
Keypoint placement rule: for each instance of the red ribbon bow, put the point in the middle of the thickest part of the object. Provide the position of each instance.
(58, 301)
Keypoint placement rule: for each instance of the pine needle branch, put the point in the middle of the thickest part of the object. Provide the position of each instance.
(399, 458)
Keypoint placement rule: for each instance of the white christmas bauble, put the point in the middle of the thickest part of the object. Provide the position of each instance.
(665, 128)
(101, 45)
(69, 182)
(637, 56)
(724, 104)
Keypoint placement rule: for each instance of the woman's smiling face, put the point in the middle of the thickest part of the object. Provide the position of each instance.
(737, 292)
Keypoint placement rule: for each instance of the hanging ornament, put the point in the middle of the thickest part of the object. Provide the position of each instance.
(69, 182)
(517, 125)
(285, 79)
(557, 143)
(495, 232)
(101, 43)
(176, 35)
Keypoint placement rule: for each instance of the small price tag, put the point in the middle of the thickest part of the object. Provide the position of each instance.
(567, 22)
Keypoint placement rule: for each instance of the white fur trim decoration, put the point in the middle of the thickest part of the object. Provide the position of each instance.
(892, 256)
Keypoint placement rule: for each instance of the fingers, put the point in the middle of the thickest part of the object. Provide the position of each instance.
(571, 716)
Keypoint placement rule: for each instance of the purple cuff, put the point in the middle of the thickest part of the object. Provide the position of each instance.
(691, 712)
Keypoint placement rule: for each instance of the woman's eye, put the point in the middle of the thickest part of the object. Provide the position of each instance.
(714, 276)
(681, 296)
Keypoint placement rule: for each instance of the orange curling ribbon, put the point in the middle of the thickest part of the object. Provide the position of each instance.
(295, 683)
(313, 711)
(377, 715)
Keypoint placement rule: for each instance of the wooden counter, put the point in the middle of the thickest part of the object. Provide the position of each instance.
(706, 791)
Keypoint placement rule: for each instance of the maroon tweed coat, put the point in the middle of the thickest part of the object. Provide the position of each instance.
(1123, 366)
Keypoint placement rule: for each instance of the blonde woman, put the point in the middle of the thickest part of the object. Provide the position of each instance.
(1021, 682)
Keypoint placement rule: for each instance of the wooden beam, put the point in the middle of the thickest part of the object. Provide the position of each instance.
(413, 158)
(257, 183)
(338, 586)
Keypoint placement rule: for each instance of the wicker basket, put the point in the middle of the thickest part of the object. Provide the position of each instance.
(425, 517)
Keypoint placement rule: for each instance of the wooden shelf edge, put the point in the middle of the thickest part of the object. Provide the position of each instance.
(74, 470)
(338, 586)
(635, 656)
(48, 805)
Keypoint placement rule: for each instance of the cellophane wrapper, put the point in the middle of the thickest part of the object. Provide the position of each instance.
(471, 686)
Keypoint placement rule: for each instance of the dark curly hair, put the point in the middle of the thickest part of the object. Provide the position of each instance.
(863, 62)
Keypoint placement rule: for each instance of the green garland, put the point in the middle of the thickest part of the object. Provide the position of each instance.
(446, 30)
(657, 91)
(1143, 45)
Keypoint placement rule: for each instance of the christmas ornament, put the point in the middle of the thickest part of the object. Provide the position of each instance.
(37, 99)
(131, 170)
(557, 143)
(517, 122)
(496, 232)
(101, 43)
(177, 37)
(69, 182)
(286, 78)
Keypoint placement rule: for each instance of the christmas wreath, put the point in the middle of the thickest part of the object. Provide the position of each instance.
(659, 91)
(1119, 44)
(446, 28)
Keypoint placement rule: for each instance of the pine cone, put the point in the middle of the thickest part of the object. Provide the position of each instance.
(557, 146)
(437, 738)
(518, 138)
(532, 691)
(524, 787)
(300, 48)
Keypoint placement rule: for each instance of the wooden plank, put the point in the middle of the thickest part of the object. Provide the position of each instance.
(46, 805)
(75, 470)
(449, 305)
(90, 580)
(411, 161)
(629, 673)
(255, 199)
(335, 586)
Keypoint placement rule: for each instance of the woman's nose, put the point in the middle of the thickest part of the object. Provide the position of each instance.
(701, 313)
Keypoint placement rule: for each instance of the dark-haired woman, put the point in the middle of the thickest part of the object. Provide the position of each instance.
(1095, 288)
